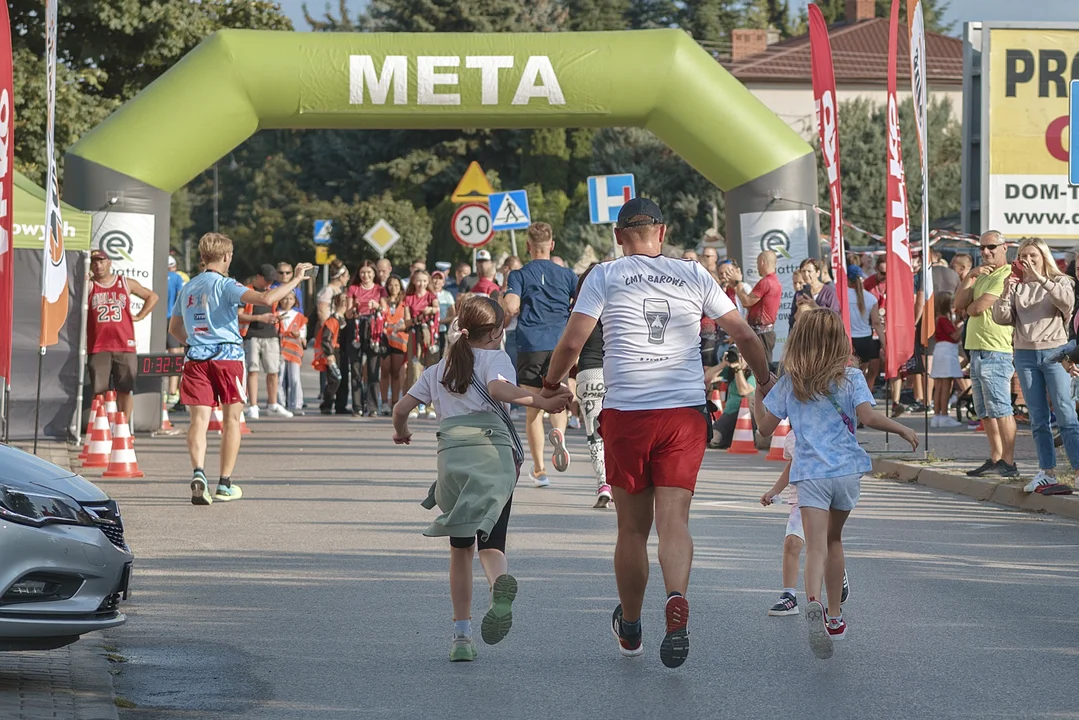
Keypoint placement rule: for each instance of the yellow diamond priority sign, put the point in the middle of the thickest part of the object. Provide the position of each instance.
(381, 237)
(473, 186)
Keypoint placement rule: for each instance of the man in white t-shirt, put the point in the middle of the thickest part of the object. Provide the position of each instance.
(654, 421)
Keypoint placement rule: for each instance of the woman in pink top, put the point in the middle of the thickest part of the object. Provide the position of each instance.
(365, 347)
(423, 307)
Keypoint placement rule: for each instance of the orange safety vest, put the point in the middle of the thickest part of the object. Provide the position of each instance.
(249, 309)
(396, 339)
(291, 347)
(333, 326)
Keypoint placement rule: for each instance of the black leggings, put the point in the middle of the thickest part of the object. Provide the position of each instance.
(365, 395)
(496, 540)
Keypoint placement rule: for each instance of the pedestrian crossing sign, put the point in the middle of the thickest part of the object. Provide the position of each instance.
(509, 210)
(323, 231)
(473, 186)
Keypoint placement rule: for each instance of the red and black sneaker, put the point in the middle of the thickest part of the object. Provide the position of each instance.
(628, 645)
(674, 649)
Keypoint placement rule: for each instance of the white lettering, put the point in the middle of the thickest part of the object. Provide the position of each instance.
(427, 79)
(489, 65)
(539, 66)
(900, 239)
(362, 72)
(830, 139)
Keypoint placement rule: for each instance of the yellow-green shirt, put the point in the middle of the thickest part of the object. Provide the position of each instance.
(982, 332)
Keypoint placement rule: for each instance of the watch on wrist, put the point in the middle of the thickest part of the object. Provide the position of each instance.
(548, 385)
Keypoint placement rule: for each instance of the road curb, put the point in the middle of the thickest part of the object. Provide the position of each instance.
(997, 491)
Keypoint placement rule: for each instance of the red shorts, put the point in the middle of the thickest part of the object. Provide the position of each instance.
(213, 382)
(653, 448)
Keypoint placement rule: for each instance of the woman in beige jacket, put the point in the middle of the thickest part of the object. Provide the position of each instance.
(1037, 302)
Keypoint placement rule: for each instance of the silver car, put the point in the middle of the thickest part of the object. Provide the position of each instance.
(64, 565)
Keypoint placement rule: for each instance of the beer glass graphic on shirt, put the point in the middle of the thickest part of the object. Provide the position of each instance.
(657, 313)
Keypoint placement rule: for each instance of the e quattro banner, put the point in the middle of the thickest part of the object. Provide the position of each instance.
(786, 233)
(1026, 132)
(128, 240)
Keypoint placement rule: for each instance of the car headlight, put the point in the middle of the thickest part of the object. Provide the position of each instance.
(37, 509)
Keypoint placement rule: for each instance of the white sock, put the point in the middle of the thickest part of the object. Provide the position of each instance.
(462, 628)
(792, 591)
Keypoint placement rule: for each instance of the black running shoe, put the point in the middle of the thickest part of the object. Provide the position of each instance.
(674, 649)
(1003, 469)
(846, 589)
(981, 469)
(786, 605)
(628, 645)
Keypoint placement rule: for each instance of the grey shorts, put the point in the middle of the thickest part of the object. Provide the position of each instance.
(837, 493)
(263, 355)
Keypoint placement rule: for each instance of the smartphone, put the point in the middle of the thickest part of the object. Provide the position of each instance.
(310, 273)
(1017, 270)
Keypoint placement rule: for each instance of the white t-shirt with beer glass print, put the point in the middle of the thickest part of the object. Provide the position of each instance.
(651, 310)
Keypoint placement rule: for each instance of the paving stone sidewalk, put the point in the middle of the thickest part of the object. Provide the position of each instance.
(73, 683)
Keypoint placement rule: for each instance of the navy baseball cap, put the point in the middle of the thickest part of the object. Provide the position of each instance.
(636, 207)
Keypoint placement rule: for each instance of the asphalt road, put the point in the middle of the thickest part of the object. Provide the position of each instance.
(317, 597)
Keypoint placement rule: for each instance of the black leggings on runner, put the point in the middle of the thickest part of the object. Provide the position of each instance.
(366, 395)
(496, 540)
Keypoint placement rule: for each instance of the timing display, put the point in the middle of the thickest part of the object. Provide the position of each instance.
(163, 365)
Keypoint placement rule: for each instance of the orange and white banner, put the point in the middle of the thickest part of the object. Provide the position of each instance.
(916, 27)
(7, 187)
(54, 263)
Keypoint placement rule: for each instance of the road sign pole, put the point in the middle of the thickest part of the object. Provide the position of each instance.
(513, 243)
(474, 251)
(325, 275)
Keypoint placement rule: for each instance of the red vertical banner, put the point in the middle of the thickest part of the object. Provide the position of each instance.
(820, 50)
(7, 188)
(899, 315)
(53, 261)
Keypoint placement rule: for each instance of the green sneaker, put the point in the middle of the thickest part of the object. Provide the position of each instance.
(228, 492)
(200, 490)
(498, 620)
(463, 649)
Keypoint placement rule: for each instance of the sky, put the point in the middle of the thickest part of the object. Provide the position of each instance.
(959, 11)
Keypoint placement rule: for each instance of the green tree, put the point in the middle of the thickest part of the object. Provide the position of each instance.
(651, 14)
(863, 153)
(709, 21)
(835, 11)
(597, 14)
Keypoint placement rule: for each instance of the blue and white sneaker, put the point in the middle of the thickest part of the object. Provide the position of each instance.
(200, 490)
(225, 493)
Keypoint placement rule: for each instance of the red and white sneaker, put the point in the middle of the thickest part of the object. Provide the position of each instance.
(837, 628)
(603, 496)
(560, 458)
(820, 640)
(674, 649)
(628, 645)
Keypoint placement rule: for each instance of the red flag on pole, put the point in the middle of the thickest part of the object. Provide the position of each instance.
(899, 316)
(7, 188)
(820, 51)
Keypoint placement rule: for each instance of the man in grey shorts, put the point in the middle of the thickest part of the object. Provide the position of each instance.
(262, 348)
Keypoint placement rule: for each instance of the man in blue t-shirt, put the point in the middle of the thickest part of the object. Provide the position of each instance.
(206, 318)
(172, 345)
(539, 295)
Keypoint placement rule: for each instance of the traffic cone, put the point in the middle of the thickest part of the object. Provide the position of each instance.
(215, 420)
(100, 441)
(244, 430)
(717, 400)
(98, 399)
(122, 461)
(166, 424)
(775, 450)
(111, 409)
(742, 443)
(722, 393)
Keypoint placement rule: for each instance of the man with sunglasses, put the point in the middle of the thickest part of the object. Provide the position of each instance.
(989, 346)
(284, 275)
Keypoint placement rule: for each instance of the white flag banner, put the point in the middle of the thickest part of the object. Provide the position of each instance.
(916, 26)
(54, 263)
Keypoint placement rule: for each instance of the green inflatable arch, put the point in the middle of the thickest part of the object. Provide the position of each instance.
(238, 81)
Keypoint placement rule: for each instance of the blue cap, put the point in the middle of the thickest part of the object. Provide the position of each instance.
(853, 271)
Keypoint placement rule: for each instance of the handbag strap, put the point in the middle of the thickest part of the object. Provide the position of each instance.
(500, 410)
(842, 413)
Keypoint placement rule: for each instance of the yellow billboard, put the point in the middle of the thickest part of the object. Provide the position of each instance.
(1026, 135)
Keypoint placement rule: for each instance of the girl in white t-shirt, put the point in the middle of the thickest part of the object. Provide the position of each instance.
(479, 459)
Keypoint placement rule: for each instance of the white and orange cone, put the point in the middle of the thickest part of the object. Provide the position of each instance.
(215, 420)
(166, 424)
(100, 441)
(98, 399)
(775, 450)
(743, 443)
(111, 409)
(244, 429)
(122, 461)
(717, 399)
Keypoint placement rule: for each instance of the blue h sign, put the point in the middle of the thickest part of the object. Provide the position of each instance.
(606, 196)
(1073, 134)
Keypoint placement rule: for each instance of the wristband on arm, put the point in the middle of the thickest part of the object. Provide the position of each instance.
(547, 385)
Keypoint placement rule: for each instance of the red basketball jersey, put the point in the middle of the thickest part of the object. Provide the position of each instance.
(109, 327)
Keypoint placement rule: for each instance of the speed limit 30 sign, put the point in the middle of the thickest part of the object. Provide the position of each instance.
(471, 225)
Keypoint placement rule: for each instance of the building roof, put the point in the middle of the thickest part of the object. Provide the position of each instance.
(859, 54)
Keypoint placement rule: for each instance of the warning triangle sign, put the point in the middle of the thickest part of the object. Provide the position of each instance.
(473, 186)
